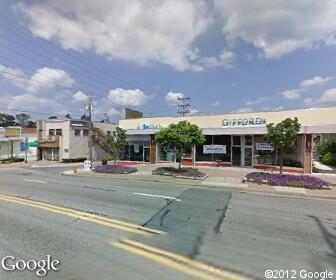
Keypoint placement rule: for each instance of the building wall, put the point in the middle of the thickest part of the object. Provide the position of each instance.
(5, 149)
(307, 117)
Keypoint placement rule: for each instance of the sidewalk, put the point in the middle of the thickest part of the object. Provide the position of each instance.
(229, 178)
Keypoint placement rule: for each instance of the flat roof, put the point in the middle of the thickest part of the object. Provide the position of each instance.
(252, 120)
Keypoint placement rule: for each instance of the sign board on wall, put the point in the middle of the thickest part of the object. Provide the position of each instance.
(264, 147)
(245, 122)
(214, 149)
(136, 148)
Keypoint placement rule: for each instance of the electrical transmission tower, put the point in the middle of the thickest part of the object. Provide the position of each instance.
(184, 105)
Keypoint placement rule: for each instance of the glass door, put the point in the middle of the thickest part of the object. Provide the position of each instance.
(247, 156)
(236, 150)
(248, 150)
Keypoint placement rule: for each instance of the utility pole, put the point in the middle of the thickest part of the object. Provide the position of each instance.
(26, 148)
(184, 105)
(90, 109)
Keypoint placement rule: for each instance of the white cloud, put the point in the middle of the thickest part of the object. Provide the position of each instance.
(138, 31)
(50, 78)
(127, 97)
(113, 112)
(172, 97)
(225, 59)
(292, 94)
(80, 96)
(44, 78)
(305, 85)
(329, 96)
(31, 102)
(193, 112)
(260, 100)
(317, 80)
(14, 75)
(216, 103)
(308, 101)
(278, 27)
(244, 110)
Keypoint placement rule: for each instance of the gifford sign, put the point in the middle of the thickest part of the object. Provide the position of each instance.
(146, 126)
(244, 122)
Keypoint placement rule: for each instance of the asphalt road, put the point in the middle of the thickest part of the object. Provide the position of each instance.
(238, 232)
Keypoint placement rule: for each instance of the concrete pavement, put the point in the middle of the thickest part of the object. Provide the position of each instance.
(239, 232)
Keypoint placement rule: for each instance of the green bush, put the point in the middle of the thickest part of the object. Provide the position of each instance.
(109, 158)
(327, 152)
(325, 147)
(11, 160)
(329, 159)
(68, 160)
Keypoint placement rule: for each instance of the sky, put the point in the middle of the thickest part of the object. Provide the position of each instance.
(226, 55)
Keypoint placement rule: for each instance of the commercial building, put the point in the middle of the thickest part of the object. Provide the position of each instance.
(68, 139)
(28, 143)
(232, 139)
(10, 141)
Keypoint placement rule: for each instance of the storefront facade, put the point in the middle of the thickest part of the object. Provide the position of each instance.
(232, 139)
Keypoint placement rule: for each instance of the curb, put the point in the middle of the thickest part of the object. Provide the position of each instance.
(199, 184)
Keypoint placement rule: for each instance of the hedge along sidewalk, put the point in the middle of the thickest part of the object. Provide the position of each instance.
(251, 187)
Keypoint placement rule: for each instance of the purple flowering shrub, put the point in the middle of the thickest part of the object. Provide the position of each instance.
(304, 181)
(115, 169)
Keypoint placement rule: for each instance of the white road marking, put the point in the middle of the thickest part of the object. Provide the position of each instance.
(35, 181)
(160, 196)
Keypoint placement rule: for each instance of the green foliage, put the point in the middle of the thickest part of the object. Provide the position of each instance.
(327, 152)
(11, 160)
(68, 160)
(22, 119)
(115, 143)
(283, 135)
(180, 137)
(329, 158)
(7, 120)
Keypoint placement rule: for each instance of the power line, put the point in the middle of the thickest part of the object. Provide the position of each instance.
(34, 113)
(88, 75)
(91, 66)
(36, 82)
(33, 60)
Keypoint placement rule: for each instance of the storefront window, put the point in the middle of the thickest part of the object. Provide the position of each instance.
(236, 140)
(200, 156)
(222, 140)
(165, 153)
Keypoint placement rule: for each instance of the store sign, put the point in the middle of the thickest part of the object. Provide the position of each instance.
(13, 132)
(264, 147)
(136, 148)
(246, 122)
(145, 126)
(214, 149)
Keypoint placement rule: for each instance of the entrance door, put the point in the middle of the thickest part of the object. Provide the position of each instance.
(248, 150)
(146, 154)
(236, 156)
(247, 156)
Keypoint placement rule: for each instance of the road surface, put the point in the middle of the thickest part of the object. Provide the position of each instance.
(106, 229)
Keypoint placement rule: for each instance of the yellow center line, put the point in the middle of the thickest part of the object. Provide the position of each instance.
(183, 264)
(104, 221)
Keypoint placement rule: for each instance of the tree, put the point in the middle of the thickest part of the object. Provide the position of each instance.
(115, 143)
(31, 124)
(7, 120)
(52, 118)
(22, 119)
(283, 136)
(180, 137)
